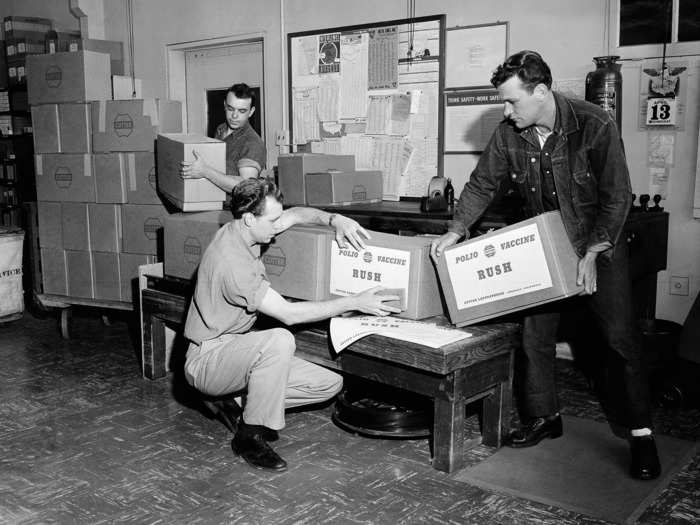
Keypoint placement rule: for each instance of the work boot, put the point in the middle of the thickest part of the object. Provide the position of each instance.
(250, 443)
(645, 463)
(535, 431)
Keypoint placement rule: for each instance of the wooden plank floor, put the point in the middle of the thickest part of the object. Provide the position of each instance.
(84, 439)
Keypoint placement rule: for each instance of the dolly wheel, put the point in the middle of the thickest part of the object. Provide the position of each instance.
(65, 319)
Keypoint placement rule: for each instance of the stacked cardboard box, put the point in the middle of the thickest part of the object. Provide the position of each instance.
(99, 214)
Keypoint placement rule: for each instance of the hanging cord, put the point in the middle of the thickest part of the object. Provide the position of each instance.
(669, 9)
(411, 12)
(130, 27)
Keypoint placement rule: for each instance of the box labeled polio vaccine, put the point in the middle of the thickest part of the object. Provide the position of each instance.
(513, 268)
(392, 261)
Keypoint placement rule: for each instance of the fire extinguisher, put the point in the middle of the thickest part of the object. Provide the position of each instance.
(604, 87)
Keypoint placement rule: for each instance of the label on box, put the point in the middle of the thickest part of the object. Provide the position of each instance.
(353, 271)
(499, 267)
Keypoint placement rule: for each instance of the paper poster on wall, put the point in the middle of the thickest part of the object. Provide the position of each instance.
(473, 52)
(471, 116)
(329, 53)
(383, 57)
(658, 181)
(663, 91)
(306, 56)
(306, 124)
(353, 76)
(660, 149)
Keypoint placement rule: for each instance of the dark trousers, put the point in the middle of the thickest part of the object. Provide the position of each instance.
(611, 310)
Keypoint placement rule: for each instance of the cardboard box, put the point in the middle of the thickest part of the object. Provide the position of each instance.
(297, 262)
(141, 178)
(75, 226)
(68, 77)
(126, 88)
(510, 269)
(132, 125)
(47, 135)
(129, 270)
(75, 128)
(53, 271)
(113, 48)
(343, 187)
(190, 194)
(50, 226)
(80, 274)
(104, 222)
(391, 261)
(106, 279)
(110, 178)
(142, 226)
(292, 168)
(186, 236)
(64, 177)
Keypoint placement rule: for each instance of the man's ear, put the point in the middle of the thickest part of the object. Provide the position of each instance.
(540, 90)
(252, 110)
(248, 219)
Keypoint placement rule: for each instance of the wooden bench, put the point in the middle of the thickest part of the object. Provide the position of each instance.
(476, 368)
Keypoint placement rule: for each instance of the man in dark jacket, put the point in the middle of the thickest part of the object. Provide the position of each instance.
(564, 154)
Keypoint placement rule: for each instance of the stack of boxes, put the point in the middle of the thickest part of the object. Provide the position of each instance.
(317, 179)
(99, 214)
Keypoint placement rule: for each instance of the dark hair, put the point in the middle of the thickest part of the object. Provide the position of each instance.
(529, 67)
(249, 195)
(242, 91)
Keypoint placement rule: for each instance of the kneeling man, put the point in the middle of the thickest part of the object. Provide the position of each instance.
(225, 356)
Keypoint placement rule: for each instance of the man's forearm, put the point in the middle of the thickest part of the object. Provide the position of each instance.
(311, 311)
(303, 215)
(220, 179)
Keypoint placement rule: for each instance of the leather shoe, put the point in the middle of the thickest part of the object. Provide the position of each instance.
(535, 431)
(257, 452)
(225, 409)
(645, 459)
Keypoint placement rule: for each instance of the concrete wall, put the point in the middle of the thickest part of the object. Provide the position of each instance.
(568, 33)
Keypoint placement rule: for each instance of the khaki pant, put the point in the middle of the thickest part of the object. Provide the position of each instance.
(263, 363)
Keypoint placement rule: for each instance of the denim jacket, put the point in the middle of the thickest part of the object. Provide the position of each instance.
(589, 168)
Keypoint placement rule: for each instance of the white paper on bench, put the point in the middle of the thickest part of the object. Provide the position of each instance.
(347, 330)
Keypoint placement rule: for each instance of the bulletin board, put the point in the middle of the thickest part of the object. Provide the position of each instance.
(373, 91)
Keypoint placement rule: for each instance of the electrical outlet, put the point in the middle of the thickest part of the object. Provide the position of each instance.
(281, 137)
(679, 285)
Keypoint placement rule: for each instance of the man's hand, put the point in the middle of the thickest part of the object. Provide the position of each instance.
(587, 273)
(370, 302)
(195, 169)
(444, 241)
(350, 230)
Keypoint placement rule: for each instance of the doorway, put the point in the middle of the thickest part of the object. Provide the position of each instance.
(199, 73)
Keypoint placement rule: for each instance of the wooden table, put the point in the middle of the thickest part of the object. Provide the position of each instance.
(479, 368)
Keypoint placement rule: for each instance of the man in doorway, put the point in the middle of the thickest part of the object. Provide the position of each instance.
(226, 357)
(564, 154)
(245, 151)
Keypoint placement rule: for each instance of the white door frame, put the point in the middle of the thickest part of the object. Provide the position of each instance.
(175, 66)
